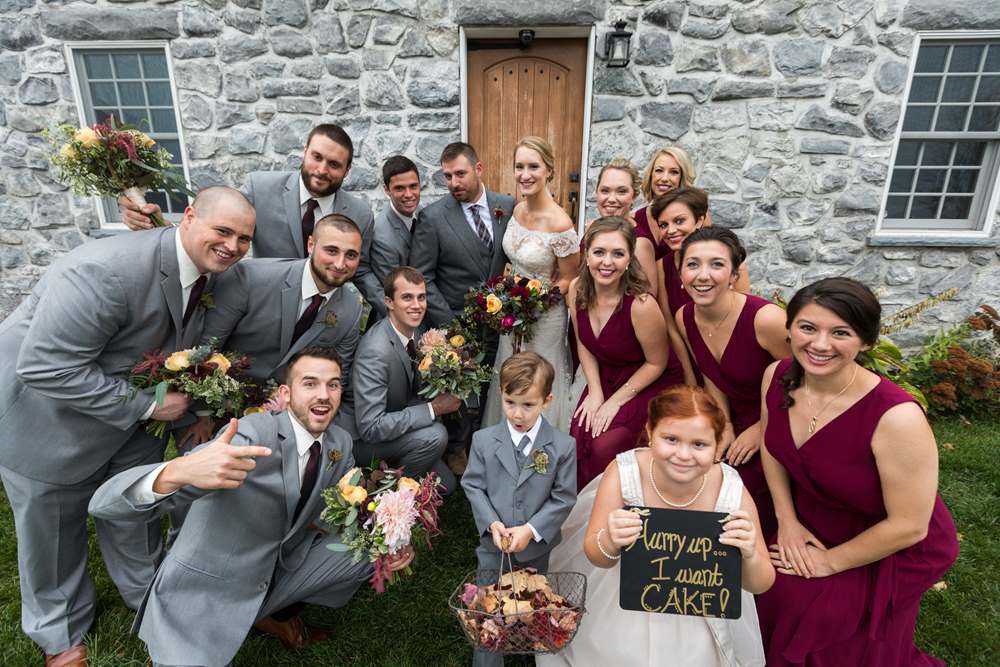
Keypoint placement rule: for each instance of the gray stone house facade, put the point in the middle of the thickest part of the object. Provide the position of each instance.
(790, 109)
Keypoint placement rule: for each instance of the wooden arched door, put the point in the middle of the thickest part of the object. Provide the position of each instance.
(539, 91)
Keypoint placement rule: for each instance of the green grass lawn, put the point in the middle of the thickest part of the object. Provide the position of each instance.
(410, 624)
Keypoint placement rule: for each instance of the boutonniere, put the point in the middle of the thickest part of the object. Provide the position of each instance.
(330, 320)
(498, 213)
(207, 301)
(335, 456)
(539, 462)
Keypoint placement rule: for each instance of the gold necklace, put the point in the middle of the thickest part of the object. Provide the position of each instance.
(732, 302)
(652, 483)
(812, 422)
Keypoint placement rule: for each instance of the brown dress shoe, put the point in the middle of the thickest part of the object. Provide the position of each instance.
(293, 633)
(457, 462)
(72, 657)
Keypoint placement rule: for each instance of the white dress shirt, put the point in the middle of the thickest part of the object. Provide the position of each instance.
(407, 219)
(484, 214)
(309, 289)
(516, 437)
(325, 203)
(404, 340)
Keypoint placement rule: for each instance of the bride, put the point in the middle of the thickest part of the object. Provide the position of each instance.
(541, 243)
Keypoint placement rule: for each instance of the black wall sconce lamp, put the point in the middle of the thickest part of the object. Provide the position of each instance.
(617, 45)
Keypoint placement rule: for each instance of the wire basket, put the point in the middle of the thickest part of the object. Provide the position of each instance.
(524, 624)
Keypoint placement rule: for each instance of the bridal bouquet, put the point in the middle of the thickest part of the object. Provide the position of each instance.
(112, 161)
(377, 512)
(510, 305)
(202, 373)
(450, 363)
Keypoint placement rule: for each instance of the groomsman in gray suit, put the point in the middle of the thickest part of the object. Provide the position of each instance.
(249, 553)
(394, 224)
(395, 424)
(68, 418)
(458, 240)
(289, 203)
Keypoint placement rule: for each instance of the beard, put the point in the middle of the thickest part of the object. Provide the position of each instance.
(320, 276)
(308, 179)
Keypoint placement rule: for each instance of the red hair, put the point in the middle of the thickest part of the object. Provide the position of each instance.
(684, 402)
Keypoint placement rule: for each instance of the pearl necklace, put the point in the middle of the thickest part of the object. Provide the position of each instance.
(652, 482)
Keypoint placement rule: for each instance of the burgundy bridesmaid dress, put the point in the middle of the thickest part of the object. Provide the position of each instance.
(619, 355)
(738, 374)
(865, 616)
(642, 230)
(677, 296)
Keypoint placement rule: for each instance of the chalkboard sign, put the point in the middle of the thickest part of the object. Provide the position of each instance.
(678, 566)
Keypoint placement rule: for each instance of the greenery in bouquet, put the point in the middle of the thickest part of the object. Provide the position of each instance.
(111, 160)
(451, 362)
(377, 512)
(204, 374)
(509, 305)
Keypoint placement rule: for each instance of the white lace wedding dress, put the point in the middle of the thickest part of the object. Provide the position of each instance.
(535, 254)
(610, 635)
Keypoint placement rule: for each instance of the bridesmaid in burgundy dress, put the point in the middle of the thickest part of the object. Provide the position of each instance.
(620, 333)
(733, 338)
(670, 168)
(852, 465)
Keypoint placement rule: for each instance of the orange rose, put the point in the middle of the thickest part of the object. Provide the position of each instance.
(220, 361)
(345, 481)
(87, 137)
(409, 483)
(535, 285)
(493, 304)
(354, 494)
(425, 364)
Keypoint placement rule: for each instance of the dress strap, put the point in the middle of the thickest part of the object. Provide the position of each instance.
(631, 480)
(731, 493)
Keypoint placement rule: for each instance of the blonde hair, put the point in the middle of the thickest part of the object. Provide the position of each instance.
(622, 164)
(543, 148)
(682, 160)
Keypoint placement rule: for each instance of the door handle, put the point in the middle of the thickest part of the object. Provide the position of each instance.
(574, 198)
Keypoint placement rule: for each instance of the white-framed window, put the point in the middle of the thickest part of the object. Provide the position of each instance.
(133, 83)
(943, 179)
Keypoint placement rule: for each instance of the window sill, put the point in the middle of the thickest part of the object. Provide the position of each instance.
(914, 241)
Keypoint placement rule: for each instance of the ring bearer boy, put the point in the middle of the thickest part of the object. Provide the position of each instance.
(521, 478)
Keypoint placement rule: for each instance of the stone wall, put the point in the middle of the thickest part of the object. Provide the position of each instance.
(789, 108)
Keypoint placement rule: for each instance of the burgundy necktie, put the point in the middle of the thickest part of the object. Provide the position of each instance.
(194, 298)
(481, 229)
(308, 479)
(307, 318)
(308, 222)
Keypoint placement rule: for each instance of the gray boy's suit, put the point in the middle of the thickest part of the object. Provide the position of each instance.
(390, 248)
(239, 557)
(68, 419)
(275, 195)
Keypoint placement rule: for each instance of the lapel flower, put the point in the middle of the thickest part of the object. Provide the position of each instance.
(335, 456)
(207, 301)
(498, 214)
(539, 462)
(331, 320)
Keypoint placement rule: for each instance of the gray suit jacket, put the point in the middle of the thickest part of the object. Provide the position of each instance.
(390, 248)
(384, 406)
(255, 313)
(65, 407)
(451, 256)
(500, 490)
(275, 195)
(225, 555)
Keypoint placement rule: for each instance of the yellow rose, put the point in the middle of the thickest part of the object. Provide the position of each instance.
(354, 494)
(220, 361)
(535, 285)
(452, 355)
(409, 483)
(87, 137)
(425, 364)
(253, 410)
(493, 304)
(345, 481)
(143, 139)
(457, 340)
(67, 152)
(178, 361)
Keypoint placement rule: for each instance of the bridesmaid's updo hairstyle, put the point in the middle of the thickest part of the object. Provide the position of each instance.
(621, 164)
(849, 300)
(728, 238)
(682, 160)
(544, 150)
(694, 198)
(683, 402)
(633, 281)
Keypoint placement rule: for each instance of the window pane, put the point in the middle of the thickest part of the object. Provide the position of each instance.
(895, 207)
(984, 119)
(902, 180)
(163, 120)
(173, 147)
(154, 65)
(969, 153)
(137, 118)
(924, 207)
(126, 65)
(907, 152)
(931, 180)
(966, 58)
(963, 180)
(178, 202)
(918, 119)
(103, 94)
(102, 115)
(157, 198)
(958, 89)
(937, 152)
(98, 65)
(925, 88)
(956, 208)
(989, 89)
(131, 95)
(992, 59)
(931, 58)
(159, 94)
(951, 119)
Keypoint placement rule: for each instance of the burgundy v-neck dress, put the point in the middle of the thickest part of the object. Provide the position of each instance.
(643, 230)
(863, 617)
(738, 374)
(677, 296)
(619, 355)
